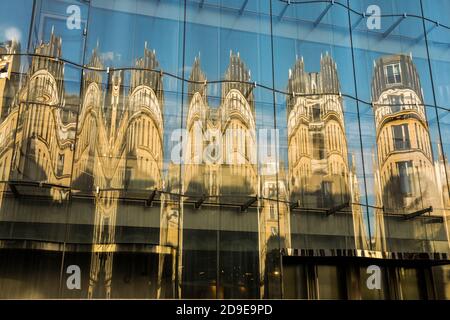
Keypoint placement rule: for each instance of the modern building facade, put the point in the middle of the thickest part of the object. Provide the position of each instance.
(224, 149)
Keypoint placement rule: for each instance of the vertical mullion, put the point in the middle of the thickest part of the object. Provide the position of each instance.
(276, 153)
(180, 214)
(434, 96)
(359, 125)
(33, 12)
(68, 205)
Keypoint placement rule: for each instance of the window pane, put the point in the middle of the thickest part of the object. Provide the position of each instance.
(412, 285)
(331, 282)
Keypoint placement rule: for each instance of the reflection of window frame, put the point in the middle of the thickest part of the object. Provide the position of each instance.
(316, 113)
(405, 175)
(274, 231)
(272, 188)
(396, 73)
(401, 137)
(327, 191)
(272, 212)
(4, 70)
(104, 235)
(318, 146)
(214, 182)
(396, 102)
(60, 166)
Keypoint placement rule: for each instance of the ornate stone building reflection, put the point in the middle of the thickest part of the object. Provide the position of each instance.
(119, 152)
(114, 152)
(320, 175)
(38, 122)
(38, 126)
(274, 227)
(226, 217)
(46, 125)
(221, 169)
(9, 82)
(230, 131)
(407, 173)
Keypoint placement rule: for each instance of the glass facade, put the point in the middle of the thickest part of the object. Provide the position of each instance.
(225, 149)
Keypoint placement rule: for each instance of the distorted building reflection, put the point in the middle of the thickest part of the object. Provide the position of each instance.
(220, 174)
(218, 224)
(408, 173)
(274, 228)
(320, 175)
(9, 83)
(120, 151)
(118, 135)
(45, 131)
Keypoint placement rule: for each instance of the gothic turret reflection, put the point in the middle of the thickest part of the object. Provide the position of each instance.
(9, 84)
(220, 174)
(123, 146)
(228, 162)
(45, 133)
(320, 176)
